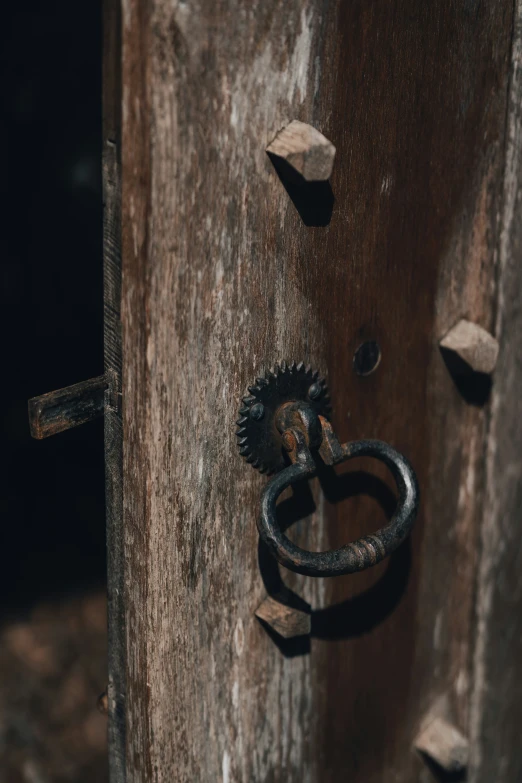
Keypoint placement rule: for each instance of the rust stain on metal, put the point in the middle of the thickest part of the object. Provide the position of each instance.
(292, 422)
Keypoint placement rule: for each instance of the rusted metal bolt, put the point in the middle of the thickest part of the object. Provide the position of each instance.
(315, 391)
(257, 411)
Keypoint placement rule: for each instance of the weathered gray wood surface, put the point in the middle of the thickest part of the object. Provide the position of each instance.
(497, 675)
(221, 278)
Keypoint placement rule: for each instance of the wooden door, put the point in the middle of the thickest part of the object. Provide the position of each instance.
(217, 268)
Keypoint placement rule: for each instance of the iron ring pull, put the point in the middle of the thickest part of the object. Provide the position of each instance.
(357, 555)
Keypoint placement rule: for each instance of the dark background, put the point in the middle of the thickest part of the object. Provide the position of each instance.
(52, 496)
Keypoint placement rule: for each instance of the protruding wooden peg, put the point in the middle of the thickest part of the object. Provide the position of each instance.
(284, 620)
(444, 744)
(306, 150)
(65, 408)
(103, 703)
(476, 347)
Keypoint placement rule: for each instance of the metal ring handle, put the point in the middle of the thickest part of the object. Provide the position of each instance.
(355, 556)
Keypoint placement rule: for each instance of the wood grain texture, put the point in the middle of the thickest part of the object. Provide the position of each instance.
(111, 177)
(496, 713)
(221, 278)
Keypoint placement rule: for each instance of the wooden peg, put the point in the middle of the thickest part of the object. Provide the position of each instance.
(103, 703)
(444, 744)
(305, 149)
(473, 345)
(284, 620)
(65, 408)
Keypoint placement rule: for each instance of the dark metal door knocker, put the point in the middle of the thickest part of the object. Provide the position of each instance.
(282, 425)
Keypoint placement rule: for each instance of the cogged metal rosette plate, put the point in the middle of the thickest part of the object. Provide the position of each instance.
(259, 441)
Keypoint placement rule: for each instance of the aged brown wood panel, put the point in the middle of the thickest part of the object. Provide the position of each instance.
(111, 173)
(496, 713)
(222, 277)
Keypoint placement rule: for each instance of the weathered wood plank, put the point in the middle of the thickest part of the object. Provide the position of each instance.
(221, 278)
(62, 409)
(111, 176)
(496, 713)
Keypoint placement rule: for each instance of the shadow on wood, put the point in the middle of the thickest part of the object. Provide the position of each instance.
(357, 615)
(313, 200)
(473, 387)
(440, 775)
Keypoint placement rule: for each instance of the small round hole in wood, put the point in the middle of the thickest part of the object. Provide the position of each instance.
(367, 358)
